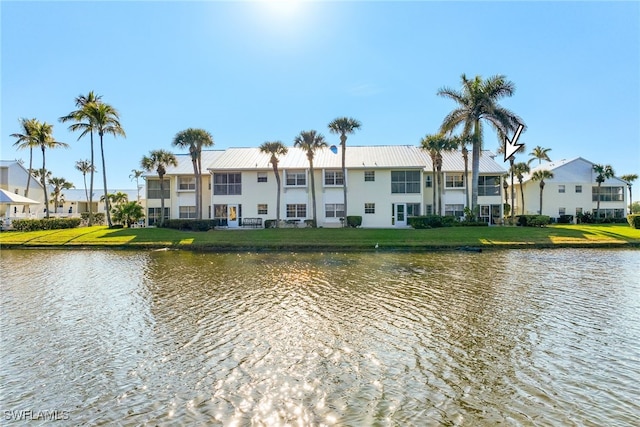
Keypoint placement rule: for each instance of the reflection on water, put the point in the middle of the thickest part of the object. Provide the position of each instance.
(164, 338)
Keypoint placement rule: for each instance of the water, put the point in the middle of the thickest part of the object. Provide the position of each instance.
(548, 337)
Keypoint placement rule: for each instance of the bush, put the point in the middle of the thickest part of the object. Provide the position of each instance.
(354, 221)
(98, 217)
(565, 219)
(433, 221)
(533, 220)
(45, 224)
(270, 223)
(190, 224)
(634, 220)
(585, 218)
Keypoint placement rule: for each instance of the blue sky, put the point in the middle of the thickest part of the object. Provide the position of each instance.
(249, 72)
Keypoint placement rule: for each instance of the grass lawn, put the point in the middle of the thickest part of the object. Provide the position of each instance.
(325, 239)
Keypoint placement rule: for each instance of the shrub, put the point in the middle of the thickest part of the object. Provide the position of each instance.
(190, 224)
(585, 218)
(634, 220)
(532, 220)
(98, 217)
(565, 219)
(354, 221)
(430, 221)
(270, 223)
(45, 224)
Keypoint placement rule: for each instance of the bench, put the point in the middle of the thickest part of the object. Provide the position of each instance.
(252, 222)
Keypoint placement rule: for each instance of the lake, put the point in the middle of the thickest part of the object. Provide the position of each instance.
(512, 337)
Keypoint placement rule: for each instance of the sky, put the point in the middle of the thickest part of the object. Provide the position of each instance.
(250, 72)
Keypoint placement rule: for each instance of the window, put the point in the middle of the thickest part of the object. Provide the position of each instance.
(153, 189)
(428, 181)
(187, 212)
(403, 182)
(369, 208)
(333, 178)
(455, 210)
(296, 178)
(220, 211)
(225, 184)
(561, 189)
(334, 210)
(578, 188)
(262, 177)
(562, 211)
(296, 211)
(186, 183)
(428, 209)
(454, 181)
(413, 209)
(262, 209)
(611, 213)
(369, 176)
(608, 194)
(578, 211)
(488, 186)
(153, 215)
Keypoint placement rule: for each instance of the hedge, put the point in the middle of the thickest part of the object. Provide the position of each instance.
(634, 220)
(354, 221)
(191, 224)
(45, 224)
(98, 217)
(533, 220)
(432, 221)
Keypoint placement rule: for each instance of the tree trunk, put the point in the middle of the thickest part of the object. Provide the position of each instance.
(598, 203)
(313, 194)
(26, 190)
(278, 184)
(343, 143)
(104, 178)
(513, 191)
(541, 190)
(630, 201)
(465, 178)
(43, 180)
(90, 223)
(521, 196)
(161, 200)
(475, 165)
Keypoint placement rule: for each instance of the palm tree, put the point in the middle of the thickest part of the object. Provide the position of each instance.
(512, 161)
(540, 154)
(477, 103)
(344, 126)
(84, 123)
(85, 166)
(602, 174)
(461, 142)
(194, 140)
(105, 119)
(116, 199)
(58, 184)
(435, 145)
(42, 134)
(128, 213)
(629, 178)
(25, 140)
(159, 160)
(541, 175)
(275, 149)
(311, 141)
(136, 174)
(519, 169)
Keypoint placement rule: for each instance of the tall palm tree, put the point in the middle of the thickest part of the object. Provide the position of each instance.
(512, 161)
(105, 119)
(602, 174)
(24, 141)
(42, 134)
(83, 123)
(461, 142)
(194, 140)
(478, 103)
(629, 178)
(275, 149)
(344, 126)
(85, 167)
(435, 145)
(159, 160)
(540, 154)
(136, 174)
(311, 141)
(58, 184)
(541, 175)
(519, 169)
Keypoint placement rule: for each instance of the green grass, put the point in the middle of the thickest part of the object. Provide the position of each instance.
(324, 239)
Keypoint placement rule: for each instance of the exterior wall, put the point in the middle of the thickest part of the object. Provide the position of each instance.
(13, 178)
(378, 192)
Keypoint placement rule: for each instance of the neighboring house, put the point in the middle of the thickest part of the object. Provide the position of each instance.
(386, 184)
(74, 201)
(572, 190)
(13, 178)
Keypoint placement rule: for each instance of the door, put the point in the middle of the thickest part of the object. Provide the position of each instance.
(401, 215)
(232, 216)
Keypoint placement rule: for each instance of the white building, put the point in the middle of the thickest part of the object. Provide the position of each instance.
(572, 190)
(13, 178)
(385, 184)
